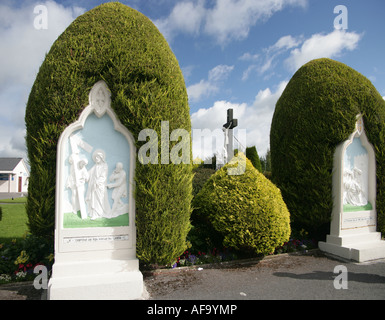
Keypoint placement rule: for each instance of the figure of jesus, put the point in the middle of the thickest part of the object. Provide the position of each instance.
(97, 197)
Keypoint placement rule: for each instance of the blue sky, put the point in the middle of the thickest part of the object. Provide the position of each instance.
(236, 54)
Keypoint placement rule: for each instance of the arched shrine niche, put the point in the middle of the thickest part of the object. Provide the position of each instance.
(353, 233)
(358, 180)
(96, 167)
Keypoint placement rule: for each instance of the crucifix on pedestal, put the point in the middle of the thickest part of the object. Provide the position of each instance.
(229, 138)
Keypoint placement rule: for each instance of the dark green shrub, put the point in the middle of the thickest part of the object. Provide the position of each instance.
(252, 155)
(201, 175)
(119, 45)
(28, 251)
(315, 113)
(246, 210)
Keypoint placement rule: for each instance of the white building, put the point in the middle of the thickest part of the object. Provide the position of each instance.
(14, 175)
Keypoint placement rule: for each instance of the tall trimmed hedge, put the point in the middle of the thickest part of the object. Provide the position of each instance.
(252, 155)
(245, 211)
(119, 45)
(316, 112)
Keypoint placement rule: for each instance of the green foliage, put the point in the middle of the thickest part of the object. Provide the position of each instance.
(315, 113)
(119, 45)
(25, 253)
(201, 175)
(246, 211)
(252, 155)
(266, 163)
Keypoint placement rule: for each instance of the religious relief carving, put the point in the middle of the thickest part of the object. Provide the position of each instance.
(96, 167)
(353, 190)
(94, 202)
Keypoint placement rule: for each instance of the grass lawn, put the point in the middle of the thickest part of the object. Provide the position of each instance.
(13, 224)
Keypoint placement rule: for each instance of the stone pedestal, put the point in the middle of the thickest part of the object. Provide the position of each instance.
(103, 279)
(360, 248)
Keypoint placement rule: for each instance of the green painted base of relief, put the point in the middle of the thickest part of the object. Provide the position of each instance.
(350, 208)
(72, 220)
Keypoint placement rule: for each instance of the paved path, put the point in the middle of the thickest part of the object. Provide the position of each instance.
(6, 195)
(284, 277)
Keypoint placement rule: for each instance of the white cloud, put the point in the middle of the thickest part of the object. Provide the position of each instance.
(12, 145)
(285, 42)
(23, 48)
(220, 72)
(281, 46)
(227, 20)
(201, 89)
(231, 19)
(248, 71)
(249, 57)
(317, 46)
(255, 118)
(322, 46)
(186, 17)
(208, 87)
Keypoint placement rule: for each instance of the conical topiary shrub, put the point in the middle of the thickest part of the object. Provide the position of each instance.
(246, 210)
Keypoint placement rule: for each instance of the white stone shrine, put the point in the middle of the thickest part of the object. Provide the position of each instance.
(353, 228)
(95, 233)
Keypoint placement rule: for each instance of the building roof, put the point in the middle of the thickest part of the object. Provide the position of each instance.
(8, 164)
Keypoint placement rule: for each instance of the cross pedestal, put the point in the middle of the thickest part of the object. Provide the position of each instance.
(229, 138)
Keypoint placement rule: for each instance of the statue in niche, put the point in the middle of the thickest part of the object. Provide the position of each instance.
(97, 197)
(353, 193)
(118, 177)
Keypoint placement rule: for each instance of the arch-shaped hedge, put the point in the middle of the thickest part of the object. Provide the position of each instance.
(119, 45)
(316, 112)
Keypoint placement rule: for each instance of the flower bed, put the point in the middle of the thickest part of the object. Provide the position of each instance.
(188, 258)
(191, 258)
(18, 258)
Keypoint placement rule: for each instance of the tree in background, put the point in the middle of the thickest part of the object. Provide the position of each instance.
(252, 155)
